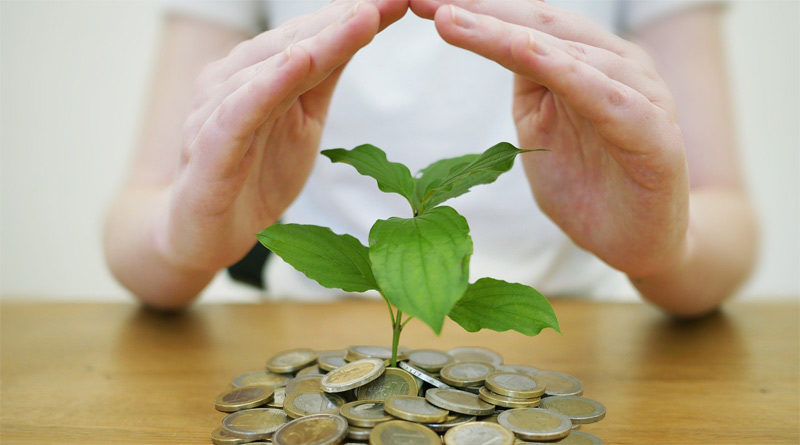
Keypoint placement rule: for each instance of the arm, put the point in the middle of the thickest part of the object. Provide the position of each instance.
(217, 165)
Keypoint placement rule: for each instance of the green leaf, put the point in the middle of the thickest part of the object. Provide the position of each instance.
(437, 172)
(369, 160)
(421, 264)
(330, 259)
(500, 306)
(483, 169)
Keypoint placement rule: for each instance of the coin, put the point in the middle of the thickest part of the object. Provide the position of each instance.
(291, 360)
(559, 384)
(245, 397)
(364, 413)
(466, 373)
(305, 403)
(452, 420)
(476, 354)
(358, 433)
(309, 370)
(318, 429)
(260, 378)
(414, 408)
(277, 398)
(505, 401)
(393, 382)
(220, 437)
(458, 401)
(330, 360)
(535, 423)
(361, 352)
(479, 433)
(430, 360)
(304, 383)
(422, 375)
(253, 424)
(521, 369)
(513, 384)
(399, 432)
(353, 375)
(574, 438)
(579, 410)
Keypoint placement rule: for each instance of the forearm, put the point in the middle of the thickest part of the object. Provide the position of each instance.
(134, 258)
(720, 252)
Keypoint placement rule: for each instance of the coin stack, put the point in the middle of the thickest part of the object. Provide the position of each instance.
(464, 396)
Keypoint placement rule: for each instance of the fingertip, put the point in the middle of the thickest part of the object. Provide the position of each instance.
(425, 9)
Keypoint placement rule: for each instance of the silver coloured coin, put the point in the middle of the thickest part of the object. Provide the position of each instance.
(422, 375)
(309, 382)
(475, 354)
(521, 369)
(560, 384)
(260, 378)
(574, 438)
(330, 360)
(479, 433)
(458, 401)
(535, 423)
(579, 410)
(466, 373)
(317, 429)
(453, 419)
(429, 359)
(291, 360)
(353, 375)
(277, 398)
(254, 424)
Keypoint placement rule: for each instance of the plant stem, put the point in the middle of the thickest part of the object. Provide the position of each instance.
(397, 327)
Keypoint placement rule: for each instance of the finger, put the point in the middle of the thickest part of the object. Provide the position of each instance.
(295, 30)
(224, 135)
(491, 38)
(535, 14)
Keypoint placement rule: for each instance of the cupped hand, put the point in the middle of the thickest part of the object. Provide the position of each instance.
(253, 134)
(616, 178)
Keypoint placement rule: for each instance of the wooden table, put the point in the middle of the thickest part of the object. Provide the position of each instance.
(115, 373)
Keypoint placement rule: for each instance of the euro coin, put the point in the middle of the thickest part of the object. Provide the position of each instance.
(535, 423)
(393, 382)
(507, 402)
(364, 413)
(559, 384)
(521, 369)
(319, 429)
(291, 360)
(574, 438)
(352, 375)
(458, 401)
(579, 410)
(309, 370)
(277, 398)
(453, 419)
(513, 384)
(254, 424)
(358, 433)
(237, 399)
(330, 360)
(300, 404)
(361, 352)
(465, 374)
(422, 375)
(476, 354)
(220, 437)
(260, 378)
(479, 433)
(430, 360)
(305, 383)
(414, 409)
(398, 432)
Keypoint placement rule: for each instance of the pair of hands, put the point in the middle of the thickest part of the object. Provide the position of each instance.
(615, 179)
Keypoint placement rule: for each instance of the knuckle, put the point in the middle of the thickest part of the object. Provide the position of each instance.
(618, 97)
(577, 51)
(544, 17)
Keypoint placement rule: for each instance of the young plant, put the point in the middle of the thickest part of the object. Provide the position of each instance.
(419, 265)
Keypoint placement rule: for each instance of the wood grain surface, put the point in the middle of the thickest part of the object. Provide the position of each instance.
(116, 373)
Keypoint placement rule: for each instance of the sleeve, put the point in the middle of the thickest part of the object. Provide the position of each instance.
(634, 14)
(243, 15)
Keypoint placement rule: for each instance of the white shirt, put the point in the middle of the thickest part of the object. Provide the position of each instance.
(420, 100)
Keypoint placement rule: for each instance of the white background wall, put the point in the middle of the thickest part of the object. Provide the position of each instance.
(73, 77)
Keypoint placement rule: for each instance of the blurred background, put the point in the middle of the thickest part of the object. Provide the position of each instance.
(73, 81)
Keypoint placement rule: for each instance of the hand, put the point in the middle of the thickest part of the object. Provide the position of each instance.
(252, 137)
(615, 179)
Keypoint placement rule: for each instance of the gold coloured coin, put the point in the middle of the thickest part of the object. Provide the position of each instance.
(465, 374)
(458, 401)
(364, 413)
(399, 432)
(254, 424)
(360, 352)
(358, 433)
(330, 360)
(453, 419)
(309, 370)
(245, 397)
(318, 429)
(507, 402)
(277, 398)
(560, 384)
(535, 423)
(479, 433)
(220, 437)
(291, 360)
(574, 438)
(260, 378)
(304, 383)
(414, 408)
(514, 384)
(393, 382)
(353, 375)
(521, 369)
(476, 354)
(300, 404)
(579, 410)
(430, 360)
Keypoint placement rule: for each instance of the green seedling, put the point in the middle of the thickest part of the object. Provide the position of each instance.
(419, 265)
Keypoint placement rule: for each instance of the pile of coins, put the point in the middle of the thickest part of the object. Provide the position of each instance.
(464, 396)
